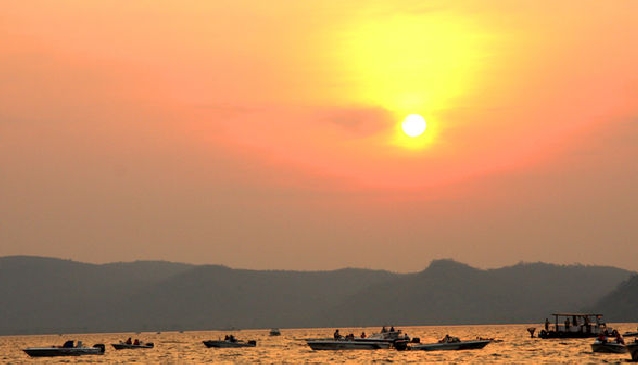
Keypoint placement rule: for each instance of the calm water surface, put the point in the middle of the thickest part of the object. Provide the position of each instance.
(515, 346)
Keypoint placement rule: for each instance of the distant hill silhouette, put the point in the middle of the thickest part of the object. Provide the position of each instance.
(46, 295)
(449, 292)
(621, 302)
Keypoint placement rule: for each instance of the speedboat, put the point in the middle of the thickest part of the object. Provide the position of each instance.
(229, 342)
(610, 347)
(348, 344)
(125, 346)
(451, 343)
(68, 349)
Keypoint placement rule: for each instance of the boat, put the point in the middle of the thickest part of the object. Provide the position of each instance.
(389, 335)
(68, 349)
(385, 339)
(451, 343)
(347, 344)
(230, 342)
(574, 325)
(632, 348)
(609, 347)
(126, 346)
(609, 343)
(631, 333)
(398, 339)
(275, 332)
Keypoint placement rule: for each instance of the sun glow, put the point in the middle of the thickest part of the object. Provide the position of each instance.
(413, 125)
(410, 62)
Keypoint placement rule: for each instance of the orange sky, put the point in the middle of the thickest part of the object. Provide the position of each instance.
(266, 135)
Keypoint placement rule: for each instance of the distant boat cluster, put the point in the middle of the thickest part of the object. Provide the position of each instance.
(392, 338)
(385, 339)
(588, 325)
(567, 325)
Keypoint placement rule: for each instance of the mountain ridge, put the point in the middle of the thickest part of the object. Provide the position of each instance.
(48, 295)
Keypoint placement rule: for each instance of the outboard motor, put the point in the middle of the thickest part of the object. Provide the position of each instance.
(101, 347)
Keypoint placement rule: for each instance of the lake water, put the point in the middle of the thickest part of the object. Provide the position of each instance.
(515, 346)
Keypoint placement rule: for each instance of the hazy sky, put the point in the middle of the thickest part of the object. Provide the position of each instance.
(266, 134)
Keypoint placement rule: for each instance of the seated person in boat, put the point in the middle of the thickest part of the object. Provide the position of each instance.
(363, 335)
(617, 337)
(68, 344)
(337, 335)
(136, 342)
(449, 339)
(129, 342)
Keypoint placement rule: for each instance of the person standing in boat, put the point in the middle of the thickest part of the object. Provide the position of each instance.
(546, 324)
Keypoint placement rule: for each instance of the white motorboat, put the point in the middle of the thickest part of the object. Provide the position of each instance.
(348, 344)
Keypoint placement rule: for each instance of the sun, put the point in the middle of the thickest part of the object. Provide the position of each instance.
(413, 125)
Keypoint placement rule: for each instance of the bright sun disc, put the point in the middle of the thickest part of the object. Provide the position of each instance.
(413, 125)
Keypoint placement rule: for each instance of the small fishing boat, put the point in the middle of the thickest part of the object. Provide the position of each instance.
(275, 332)
(451, 343)
(609, 347)
(126, 346)
(68, 349)
(230, 342)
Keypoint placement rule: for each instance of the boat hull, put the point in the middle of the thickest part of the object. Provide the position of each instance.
(632, 347)
(463, 345)
(229, 344)
(609, 347)
(348, 344)
(562, 334)
(64, 351)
